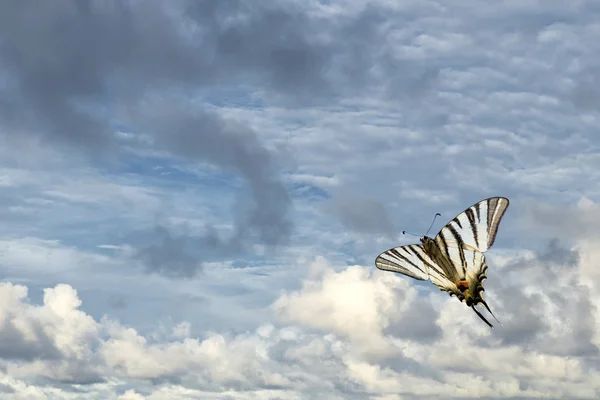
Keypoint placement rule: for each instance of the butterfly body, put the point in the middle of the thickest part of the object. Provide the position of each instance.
(453, 260)
(459, 280)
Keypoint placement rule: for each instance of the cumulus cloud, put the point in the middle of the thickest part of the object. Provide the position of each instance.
(339, 302)
(54, 341)
(152, 136)
(337, 336)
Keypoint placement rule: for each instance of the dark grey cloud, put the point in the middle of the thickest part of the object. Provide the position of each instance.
(571, 223)
(523, 315)
(67, 62)
(271, 46)
(14, 346)
(6, 389)
(117, 301)
(77, 372)
(418, 323)
(168, 254)
(40, 345)
(200, 134)
(362, 214)
(585, 94)
(178, 254)
(559, 255)
(71, 69)
(400, 364)
(82, 61)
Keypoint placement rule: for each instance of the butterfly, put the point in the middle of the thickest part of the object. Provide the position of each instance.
(453, 260)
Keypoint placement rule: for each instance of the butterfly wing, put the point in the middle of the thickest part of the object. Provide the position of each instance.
(462, 243)
(476, 226)
(463, 240)
(410, 260)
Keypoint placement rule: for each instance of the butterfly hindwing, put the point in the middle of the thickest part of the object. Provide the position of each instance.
(440, 279)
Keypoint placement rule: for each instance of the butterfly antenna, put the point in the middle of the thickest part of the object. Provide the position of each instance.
(408, 233)
(434, 217)
(490, 311)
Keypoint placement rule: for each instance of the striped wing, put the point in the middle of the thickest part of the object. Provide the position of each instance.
(461, 244)
(410, 260)
(468, 280)
(476, 227)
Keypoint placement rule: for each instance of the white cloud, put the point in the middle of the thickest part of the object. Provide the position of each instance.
(131, 395)
(318, 181)
(337, 334)
(35, 257)
(342, 302)
(452, 104)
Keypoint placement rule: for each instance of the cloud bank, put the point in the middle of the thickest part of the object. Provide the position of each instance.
(346, 334)
(192, 194)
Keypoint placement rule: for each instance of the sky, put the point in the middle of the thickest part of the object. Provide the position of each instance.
(193, 195)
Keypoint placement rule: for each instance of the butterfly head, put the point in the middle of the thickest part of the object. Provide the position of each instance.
(428, 243)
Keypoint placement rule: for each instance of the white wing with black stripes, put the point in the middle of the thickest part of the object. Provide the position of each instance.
(454, 260)
(410, 260)
(477, 226)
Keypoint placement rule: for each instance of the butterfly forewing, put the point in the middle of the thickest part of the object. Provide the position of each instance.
(476, 226)
(410, 260)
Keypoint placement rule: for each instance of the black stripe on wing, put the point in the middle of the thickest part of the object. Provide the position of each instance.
(477, 226)
(496, 208)
(410, 260)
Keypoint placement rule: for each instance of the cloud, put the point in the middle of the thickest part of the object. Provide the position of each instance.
(84, 55)
(197, 137)
(549, 283)
(53, 341)
(131, 395)
(359, 113)
(338, 335)
(117, 301)
(202, 135)
(362, 214)
(336, 302)
(573, 223)
(168, 255)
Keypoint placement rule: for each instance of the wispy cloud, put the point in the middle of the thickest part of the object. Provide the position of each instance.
(169, 172)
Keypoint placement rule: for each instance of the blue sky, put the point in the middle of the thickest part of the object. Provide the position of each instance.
(193, 195)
